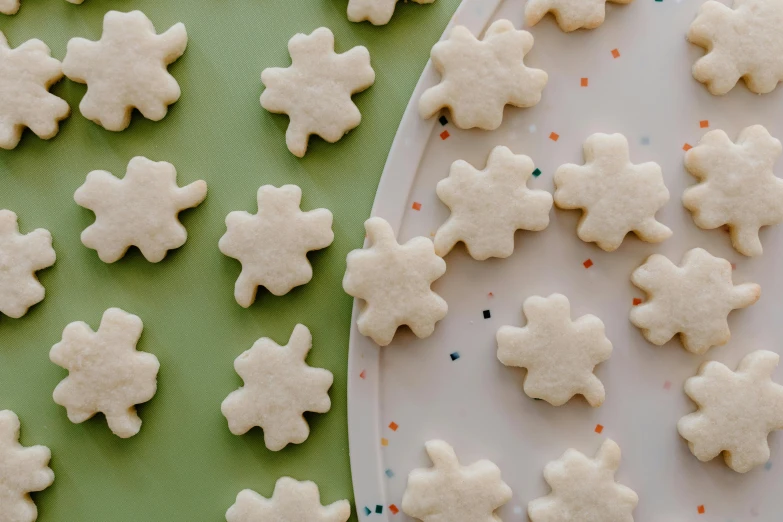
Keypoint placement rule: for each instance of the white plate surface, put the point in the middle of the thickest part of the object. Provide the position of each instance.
(477, 404)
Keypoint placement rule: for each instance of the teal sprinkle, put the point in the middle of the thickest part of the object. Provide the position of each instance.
(367, 511)
(536, 173)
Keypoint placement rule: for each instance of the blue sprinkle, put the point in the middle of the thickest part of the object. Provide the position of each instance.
(367, 511)
(389, 473)
(768, 465)
(645, 139)
(379, 509)
(454, 356)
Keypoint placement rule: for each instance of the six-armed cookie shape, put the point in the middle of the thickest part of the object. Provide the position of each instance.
(126, 69)
(693, 300)
(394, 281)
(106, 372)
(736, 411)
(279, 388)
(272, 245)
(481, 77)
(558, 353)
(451, 492)
(488, 206)
(737, 185)
(139, 210)
(585, 489)
(743, 42)
(292, 501)
(22, 470)
(21, 256)
(570, 14)
(377, 12)
(616, 196)
(26, 74)
(315, 91)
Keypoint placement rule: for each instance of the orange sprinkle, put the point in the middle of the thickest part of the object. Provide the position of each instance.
(588, 263)
(554, 136)
(491, 294)
(704, 124)
(363, 375)
(393, 426)
(599, 428)
(637, 301)
(393, 509)
(416, 205)
(700, 509)
(584, 82)
(444, 135)
(384, 442)
(615, 53)
(686, 147)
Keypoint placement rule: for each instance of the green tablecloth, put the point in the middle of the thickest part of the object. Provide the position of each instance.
(185, 464)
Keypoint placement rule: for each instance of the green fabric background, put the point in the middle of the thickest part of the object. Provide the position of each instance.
(185, 464)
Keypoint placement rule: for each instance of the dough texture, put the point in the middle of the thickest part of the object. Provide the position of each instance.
(377, 12)
(292, 501)
(570, 14)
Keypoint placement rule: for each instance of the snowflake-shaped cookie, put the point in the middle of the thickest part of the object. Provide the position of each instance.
(22, 470)
(616, 196)
(481, 77)
(139, 210)
(107, 373)
(737, 185)
(736, 411)
(126, 69)
(9, 7)
(315, 91)
(394, 281)
(292, 501)
(693, 300)
(26, 74)
(570, 14)
(272, 245)
(377, 12)
(279, 388)
(488, 206)
(451, 492)
(585, 489)
(558, 353)
(20, 257)
(743, 42)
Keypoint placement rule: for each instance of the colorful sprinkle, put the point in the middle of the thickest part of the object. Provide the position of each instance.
(637, 301)
(700, 509)
(416, 205)
(532, 128)
(704, 124)
(615, 53)
(393, 509)
(554, 136)
(667, 385)
(367, 511)
(389, 473)
(768, 465)
(363, 375)
(384, 442)
(393, 426)
(444, 135)
(491, 294)
(583, 82)
(536, 173)
(645, 140)
(686, 147)
(379, 509)
(588, 263)
(487, 314)
(599, 428)
(443, 120)
(733, 266)
(454, 356)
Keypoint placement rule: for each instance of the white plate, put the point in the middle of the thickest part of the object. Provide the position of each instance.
(477, 404)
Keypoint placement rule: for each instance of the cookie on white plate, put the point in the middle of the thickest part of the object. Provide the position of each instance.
(449, 491)
(139, 210)
(26, 75)
(126, 69)
(585, 489)
(279, 388)
(737, 185)
(377, 12)
(480, 77)
(292, 501)
(488, 206)
(741, 42)
(616, 197)
(570, 14)
(736, 411)
(22, 471)
(272, 245)
(558, 353)
(693, 300)
(106, 373)
(315, 91)
(394, 282)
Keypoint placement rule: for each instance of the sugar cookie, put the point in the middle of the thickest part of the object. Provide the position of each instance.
(138, 210)
(272, 245)
(743, 42)
(481, 77)
(558, 353)
(693, 300)
(394, 281)
(488, 206)
(570, 14)
(292, 501)
(737, 186)
(736, 411)
(585, 489)
(106, 373)
(279, 388)
(26, 74)
(315, 91)
(9, 7)
(450, 491)
(126, 69)
(377, 12)
(616, 197)
(21, 256)
(22, 470)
